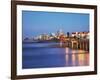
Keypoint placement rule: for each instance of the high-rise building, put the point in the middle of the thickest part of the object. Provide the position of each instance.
(59, 33)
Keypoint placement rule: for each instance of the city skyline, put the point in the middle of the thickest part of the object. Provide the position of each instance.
(38, 22)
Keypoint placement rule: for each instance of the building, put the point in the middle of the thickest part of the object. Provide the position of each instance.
(80, 35)
(59, 33)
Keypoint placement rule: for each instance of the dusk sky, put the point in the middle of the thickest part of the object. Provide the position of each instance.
(38, 22)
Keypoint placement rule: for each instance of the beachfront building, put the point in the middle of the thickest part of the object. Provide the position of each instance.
(82, 35)
(73, 34)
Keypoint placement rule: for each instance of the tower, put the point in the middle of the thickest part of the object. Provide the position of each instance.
(60, 32)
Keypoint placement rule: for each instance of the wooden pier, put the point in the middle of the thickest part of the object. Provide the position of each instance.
(74, 43)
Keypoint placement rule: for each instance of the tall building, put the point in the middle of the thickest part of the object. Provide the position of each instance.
(59, 33)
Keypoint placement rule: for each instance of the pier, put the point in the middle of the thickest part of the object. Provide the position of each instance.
(74, 43)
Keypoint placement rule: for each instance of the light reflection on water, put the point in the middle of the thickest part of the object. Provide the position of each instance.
(77, 57)
(36, 56)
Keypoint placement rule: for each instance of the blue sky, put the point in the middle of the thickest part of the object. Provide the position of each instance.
(38, 22)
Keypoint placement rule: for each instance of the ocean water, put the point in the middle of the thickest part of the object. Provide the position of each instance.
(44, 55)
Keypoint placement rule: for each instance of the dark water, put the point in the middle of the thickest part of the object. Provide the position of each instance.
(42, 55)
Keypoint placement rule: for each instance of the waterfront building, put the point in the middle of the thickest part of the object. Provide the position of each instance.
(59, 33)
(73, 34)
(82, 35)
